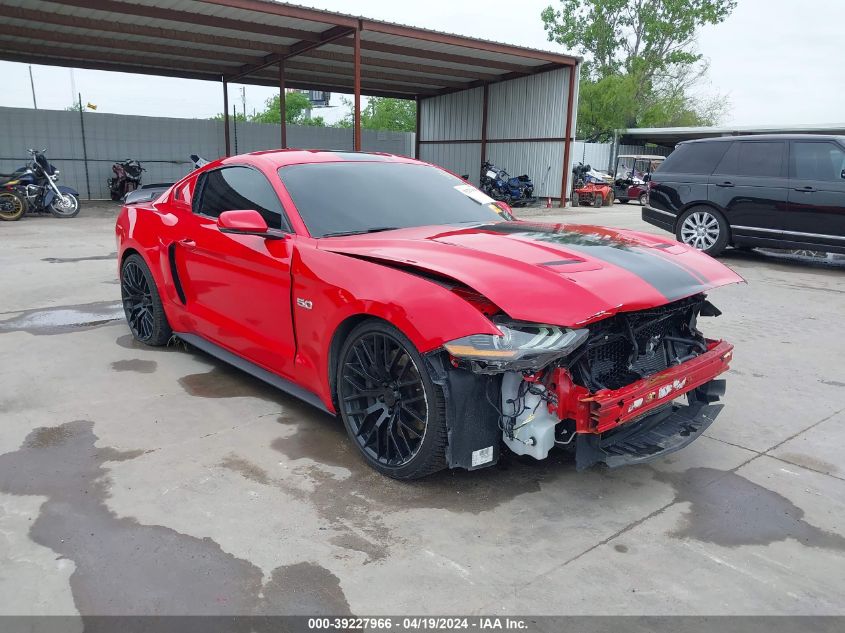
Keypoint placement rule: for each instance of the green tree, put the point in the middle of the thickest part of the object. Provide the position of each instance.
(297, 110)
(384, 113)
(641, 65)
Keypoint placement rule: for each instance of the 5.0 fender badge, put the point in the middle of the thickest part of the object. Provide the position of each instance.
(304, 303)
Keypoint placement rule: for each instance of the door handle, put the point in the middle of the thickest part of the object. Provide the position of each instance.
(188, 243)
(726, 183)
(807, 189)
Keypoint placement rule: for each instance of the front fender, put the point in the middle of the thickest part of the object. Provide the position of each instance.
(48, 197)
(339, 287)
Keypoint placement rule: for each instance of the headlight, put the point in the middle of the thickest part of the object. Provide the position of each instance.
(520, 346)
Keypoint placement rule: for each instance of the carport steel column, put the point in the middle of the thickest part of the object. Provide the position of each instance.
(567, 141)
(357, 113)
(282, 104)
(226, 117)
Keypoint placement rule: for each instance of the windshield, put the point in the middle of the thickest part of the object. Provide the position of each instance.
(358, 197)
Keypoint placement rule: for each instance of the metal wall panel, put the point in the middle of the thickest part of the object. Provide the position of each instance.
(543, 162)
(459, 158)
(452, 116)
(163, 145)
(529, 107)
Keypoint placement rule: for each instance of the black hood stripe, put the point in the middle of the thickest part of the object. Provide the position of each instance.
(669, 278)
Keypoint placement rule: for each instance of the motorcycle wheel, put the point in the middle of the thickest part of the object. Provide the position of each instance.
(12, 206)
(68, 209)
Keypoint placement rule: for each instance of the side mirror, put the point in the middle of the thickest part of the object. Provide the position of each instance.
(246, 222)
(842, 174)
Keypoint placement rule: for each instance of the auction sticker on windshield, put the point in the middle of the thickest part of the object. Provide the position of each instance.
(471, 192)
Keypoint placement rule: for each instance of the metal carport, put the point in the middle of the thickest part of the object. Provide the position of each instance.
(494, 88)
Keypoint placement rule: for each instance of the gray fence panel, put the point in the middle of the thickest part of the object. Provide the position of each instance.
(459, 158)
(162, 145)
(529, 107)
(541, 161)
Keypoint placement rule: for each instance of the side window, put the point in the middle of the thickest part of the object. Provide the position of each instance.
(753, 158)
(816, 161)
(231, 188)
(694, 158)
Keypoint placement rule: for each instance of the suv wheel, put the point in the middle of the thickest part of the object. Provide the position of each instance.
(703, 228)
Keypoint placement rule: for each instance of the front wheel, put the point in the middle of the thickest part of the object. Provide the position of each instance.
(142, 304)
(703, 228)
(12, 206)
(643, 199)
(393, 412)
(66, 206)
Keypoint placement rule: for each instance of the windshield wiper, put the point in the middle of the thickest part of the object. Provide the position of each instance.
(375, 229)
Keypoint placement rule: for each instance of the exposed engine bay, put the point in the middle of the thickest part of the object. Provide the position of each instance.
(579, 389)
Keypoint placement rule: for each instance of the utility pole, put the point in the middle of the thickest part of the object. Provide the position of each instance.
(243, 100)
(84, 147)
(32, 85)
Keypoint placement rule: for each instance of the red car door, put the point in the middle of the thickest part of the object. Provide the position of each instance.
(237, 287)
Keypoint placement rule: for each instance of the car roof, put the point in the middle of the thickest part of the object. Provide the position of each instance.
(770, 137)
(273, 159)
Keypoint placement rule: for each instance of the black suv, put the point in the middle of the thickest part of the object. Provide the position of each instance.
(778, 190)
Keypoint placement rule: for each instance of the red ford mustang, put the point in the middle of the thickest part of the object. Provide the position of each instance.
(439, 328)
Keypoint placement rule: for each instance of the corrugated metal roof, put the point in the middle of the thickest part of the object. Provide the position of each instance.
(243, 40)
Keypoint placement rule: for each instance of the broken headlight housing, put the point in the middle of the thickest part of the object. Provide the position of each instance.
(521, 347)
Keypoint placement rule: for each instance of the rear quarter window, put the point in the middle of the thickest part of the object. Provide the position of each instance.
(694, 158)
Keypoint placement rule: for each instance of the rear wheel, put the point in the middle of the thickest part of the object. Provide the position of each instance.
(598, 200)
(12, 206)
(643, 199)
(65, 207)
(703, 228)
(393, 412)
(142, 304)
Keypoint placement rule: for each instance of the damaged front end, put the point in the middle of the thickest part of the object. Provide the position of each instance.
(608, 392)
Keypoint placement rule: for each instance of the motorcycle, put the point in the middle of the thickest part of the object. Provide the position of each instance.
(12, 204)
(127, 177)
(36, 184)
(498, 184)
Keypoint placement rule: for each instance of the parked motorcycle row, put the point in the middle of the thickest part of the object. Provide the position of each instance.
(499, 185)
(34, 188)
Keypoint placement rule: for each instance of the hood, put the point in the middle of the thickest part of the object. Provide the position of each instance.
(560, 274)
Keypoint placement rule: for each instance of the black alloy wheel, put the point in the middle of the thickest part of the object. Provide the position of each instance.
(391, 409)
(141, 303)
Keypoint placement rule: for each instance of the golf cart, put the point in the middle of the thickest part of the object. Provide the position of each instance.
(633, 171)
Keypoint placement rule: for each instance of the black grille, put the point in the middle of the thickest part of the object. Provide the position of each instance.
(630, 346)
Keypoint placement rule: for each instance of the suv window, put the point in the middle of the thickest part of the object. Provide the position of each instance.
(817, 161)
(694, 158)
(753, 158)
(231, 188)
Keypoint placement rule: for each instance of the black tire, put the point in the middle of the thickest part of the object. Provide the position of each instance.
(70, 211)
(608, 200)
(643, 199)
(598, 200)
(393, 412)
(576, 201)
(12, 206)
(624, 200)
(715, 233)
(142, 304)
